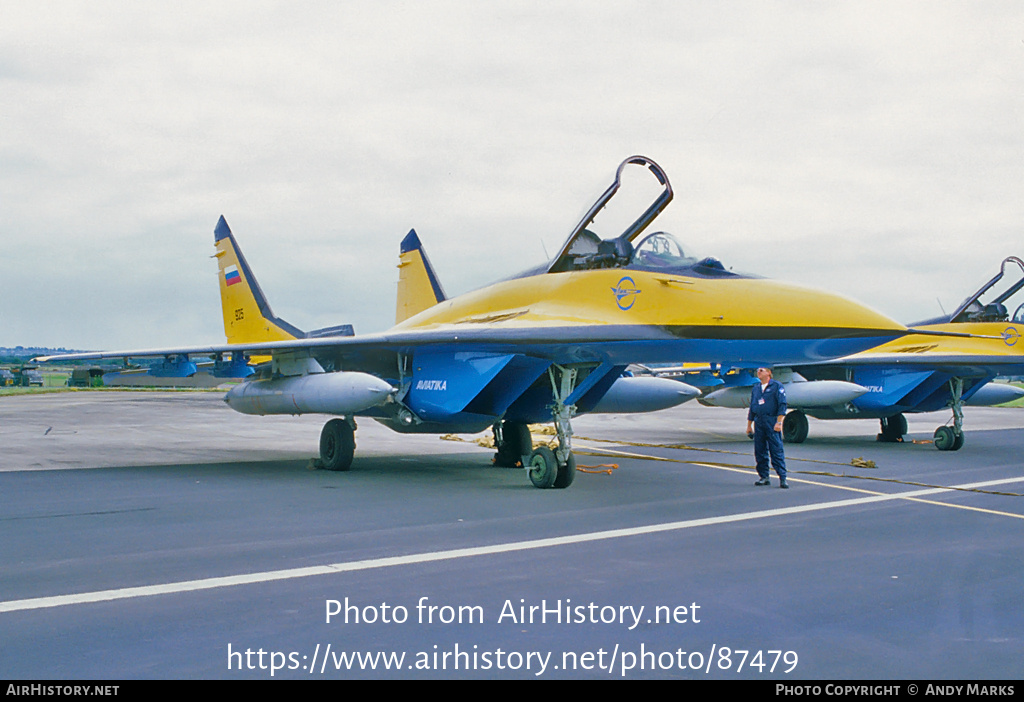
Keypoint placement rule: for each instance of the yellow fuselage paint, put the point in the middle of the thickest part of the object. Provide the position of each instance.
(632, 297)
(1006, 346)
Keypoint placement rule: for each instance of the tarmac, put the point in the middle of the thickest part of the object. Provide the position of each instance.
(161, 535)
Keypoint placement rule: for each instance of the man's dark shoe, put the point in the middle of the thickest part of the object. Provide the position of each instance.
(784, 485)
(763, 481)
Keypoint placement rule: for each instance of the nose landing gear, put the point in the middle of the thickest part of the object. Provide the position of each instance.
(951, 438)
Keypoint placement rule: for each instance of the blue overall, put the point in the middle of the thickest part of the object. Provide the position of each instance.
(765, 409)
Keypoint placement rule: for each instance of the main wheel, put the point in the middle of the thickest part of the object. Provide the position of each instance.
(945, 439)
(543, 467)
(337, 445)
(899, 424)
(893, 428)
(794, 427)
(566, 473)
(516, 443)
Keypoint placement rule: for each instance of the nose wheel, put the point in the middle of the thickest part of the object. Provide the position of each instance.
(946, 439)
(545, 471)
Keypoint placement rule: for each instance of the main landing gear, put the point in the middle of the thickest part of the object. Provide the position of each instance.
(514, 444)
(893, 429)
(794, 427)
(338, 444)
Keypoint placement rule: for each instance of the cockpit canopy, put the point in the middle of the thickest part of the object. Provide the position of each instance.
(586, 250)
(999, 300)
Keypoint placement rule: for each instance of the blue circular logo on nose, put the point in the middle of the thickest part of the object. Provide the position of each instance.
(1010, 336)
(625, 293)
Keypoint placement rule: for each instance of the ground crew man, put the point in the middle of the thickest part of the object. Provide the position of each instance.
(764, 422)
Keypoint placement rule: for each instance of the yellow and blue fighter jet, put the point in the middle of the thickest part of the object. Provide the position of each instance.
(544, 345)
(908, 375)
(419, 289)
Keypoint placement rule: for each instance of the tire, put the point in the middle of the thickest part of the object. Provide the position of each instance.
(945, 439)
(958, 442)
(543, 468)
(566, 473)
(893, 428)
(899, 424)
(517, 443)
(337, 445)
(794, 427)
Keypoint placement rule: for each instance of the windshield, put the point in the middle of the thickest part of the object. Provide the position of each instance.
(661, 250)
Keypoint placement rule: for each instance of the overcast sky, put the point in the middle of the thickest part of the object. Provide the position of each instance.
(871, 149)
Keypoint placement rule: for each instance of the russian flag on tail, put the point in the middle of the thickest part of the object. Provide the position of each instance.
(231, 275)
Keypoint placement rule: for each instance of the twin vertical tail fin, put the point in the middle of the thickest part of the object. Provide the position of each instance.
(418, 286)
(248, 318)
(247, 314)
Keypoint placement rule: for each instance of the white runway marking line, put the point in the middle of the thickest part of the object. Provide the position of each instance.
(289, 574)
(833, 486)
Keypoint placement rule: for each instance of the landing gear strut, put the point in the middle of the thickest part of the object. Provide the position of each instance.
(952, 438)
